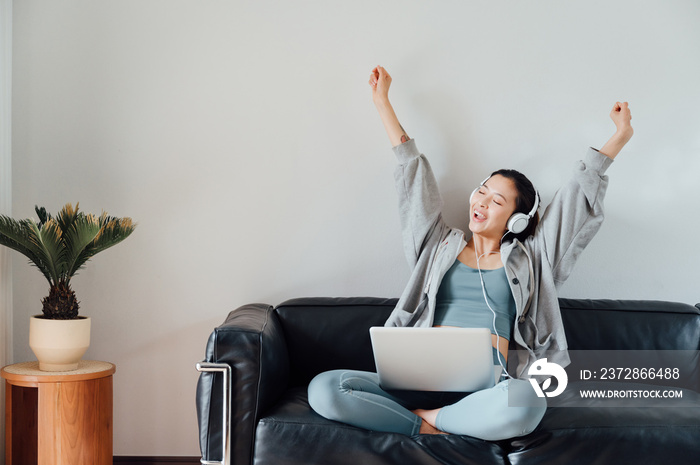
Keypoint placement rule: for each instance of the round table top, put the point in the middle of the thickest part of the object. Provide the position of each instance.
(29, 372)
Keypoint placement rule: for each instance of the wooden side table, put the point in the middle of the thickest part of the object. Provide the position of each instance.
(58, 418)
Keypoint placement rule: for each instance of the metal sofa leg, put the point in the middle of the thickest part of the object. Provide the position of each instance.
(207, 367)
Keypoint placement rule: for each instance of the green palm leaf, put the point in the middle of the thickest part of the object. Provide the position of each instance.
(111, 232)
(67, 216)
(78, 236)
(21, 236)
(50, 247)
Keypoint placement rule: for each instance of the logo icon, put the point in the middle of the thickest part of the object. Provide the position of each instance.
(544, 368)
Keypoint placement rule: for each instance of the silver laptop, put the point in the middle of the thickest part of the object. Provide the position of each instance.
(434, 359)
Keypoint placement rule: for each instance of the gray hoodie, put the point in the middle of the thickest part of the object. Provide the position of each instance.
(535, 268)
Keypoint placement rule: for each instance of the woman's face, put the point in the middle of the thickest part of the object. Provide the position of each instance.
(491, 207)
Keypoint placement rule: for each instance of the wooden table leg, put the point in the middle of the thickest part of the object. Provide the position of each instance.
(8, 423)
(20, 425)
(75, 423)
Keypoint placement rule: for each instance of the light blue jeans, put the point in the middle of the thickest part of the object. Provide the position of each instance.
(355, 398)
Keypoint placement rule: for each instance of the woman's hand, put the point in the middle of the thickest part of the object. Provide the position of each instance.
(380, 81)
(622, 117)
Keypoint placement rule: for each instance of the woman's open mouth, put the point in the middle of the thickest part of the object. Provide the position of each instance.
(478, 216)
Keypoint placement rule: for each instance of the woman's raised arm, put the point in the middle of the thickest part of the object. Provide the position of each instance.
(575, 214)
(621, 116)
(380, 81)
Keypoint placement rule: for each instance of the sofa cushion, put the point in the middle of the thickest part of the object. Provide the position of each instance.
(293, 434)
(633, 434)
(617, 435)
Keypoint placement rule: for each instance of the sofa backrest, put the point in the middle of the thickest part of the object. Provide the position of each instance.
(630, 325)
(330, 333)
(618, 336)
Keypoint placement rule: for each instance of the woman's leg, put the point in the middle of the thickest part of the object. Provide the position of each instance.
(486, 414)
(355, 398)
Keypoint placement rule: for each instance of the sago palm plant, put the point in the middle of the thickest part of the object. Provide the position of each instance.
(60, 247)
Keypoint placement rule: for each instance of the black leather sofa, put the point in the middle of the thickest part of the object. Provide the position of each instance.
(268, 356)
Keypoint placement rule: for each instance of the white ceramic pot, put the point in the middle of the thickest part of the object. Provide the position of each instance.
(59, 344)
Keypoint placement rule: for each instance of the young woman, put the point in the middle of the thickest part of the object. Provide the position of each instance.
(504, 277)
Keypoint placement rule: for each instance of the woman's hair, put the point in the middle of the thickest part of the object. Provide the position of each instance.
(524, 202)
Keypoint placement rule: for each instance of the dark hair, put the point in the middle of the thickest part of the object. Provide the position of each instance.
(524, 202)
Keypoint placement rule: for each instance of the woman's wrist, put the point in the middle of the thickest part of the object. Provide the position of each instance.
(381, 101)
(623, 134)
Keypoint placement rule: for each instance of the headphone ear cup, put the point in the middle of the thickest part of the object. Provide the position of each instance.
(472, 195)
(518, 222)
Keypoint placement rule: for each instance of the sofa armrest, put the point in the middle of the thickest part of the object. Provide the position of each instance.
(252, 343)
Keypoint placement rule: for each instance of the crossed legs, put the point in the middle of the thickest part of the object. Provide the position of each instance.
(355, 398)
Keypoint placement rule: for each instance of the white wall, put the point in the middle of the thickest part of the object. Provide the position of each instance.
(242, 138)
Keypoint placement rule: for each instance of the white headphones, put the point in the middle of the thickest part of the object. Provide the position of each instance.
(518, 222)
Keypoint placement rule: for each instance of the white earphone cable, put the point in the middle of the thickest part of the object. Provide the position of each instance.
(483, 290)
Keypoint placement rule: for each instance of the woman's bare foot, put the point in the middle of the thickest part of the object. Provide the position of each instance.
(427, 426)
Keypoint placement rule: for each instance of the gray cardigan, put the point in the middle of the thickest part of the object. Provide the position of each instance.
(535, 268)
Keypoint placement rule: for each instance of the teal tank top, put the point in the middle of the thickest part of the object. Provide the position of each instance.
(460, 300)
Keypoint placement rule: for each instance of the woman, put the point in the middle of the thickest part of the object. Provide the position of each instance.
(504, 277)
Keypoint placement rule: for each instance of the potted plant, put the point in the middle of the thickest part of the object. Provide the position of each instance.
(59, 247)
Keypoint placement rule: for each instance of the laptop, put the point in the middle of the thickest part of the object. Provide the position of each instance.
(434, 359)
